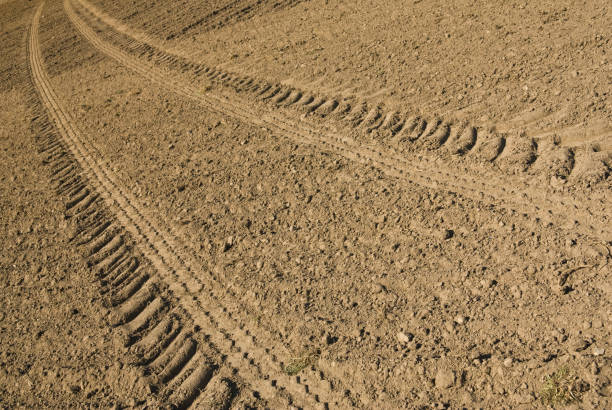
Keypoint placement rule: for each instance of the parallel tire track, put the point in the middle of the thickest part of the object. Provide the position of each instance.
(502, 190)
(186, 338)
(156, 329)
(176, 360)
(231, 13)
(464, 143)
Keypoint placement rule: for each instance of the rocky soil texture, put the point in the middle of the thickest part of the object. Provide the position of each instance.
(305, 204)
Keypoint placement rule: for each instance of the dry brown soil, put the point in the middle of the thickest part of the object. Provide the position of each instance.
(305, 204)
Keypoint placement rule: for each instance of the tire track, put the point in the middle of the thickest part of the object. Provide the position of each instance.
(480, 147)
(198, 15)
(543, 164)
(156, 296)
(232, 13)
(505, 191)
(140, 306)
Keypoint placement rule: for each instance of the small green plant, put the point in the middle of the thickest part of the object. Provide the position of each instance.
(559, 388)
(297, 364)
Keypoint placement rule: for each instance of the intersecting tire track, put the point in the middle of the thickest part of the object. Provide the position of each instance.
(171, 318)
(502, 190)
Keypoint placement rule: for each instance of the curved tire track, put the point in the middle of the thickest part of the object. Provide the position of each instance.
(590, 169)
(504, 191)
(156, 296)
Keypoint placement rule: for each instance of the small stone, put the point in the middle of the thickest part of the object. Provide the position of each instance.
(445, 379)
(229, 242)
(499, 389)
(446, 234)
(377, 288)
(460, 319)
(488, 283)
(328, 339)
(404, 338)
(508, 362)
(598, 351)
(91, 391)
(580, 345)
(522, 398)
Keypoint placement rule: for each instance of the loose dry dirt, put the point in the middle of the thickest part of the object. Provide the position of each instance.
(305, 203)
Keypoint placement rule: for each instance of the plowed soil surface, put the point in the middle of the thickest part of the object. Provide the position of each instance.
(305, 204)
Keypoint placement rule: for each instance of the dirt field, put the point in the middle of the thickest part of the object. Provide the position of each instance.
(305, 204)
